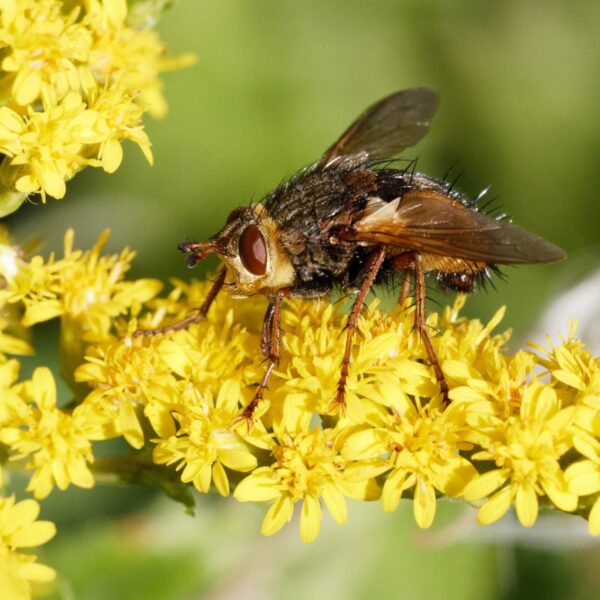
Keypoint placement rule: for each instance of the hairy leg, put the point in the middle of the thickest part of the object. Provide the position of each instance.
(375, 261)
(413, 261)
(270, 347)
(196, 318)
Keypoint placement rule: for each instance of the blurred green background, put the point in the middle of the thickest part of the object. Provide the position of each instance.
(276, 82)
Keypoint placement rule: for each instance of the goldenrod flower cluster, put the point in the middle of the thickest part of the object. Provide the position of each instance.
(75, 80)
(522, 430)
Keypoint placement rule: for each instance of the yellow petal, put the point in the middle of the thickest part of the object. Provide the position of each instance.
(594, 518)
(392, 490)
(42, 311)
(583, 478)
(495, 507)
(116, 12)
(466, 394)
(238, 460)
(568, 378)
(79, 473)
(277, 516)
(112, 156)
(36, 572)
(129, 426)
(203, 478)
(13, 345)
(457, 369)
(27, 86)
(335, 502)
(424, 503)
(560, 496)
(41, 483)
(25, 511)
(458, 474)
(60, 473)
(310, 519)
(229, 396)
(52, 183)
(483, 485)
(260, 486)
(588, 446)
(220, 479)
(44, 388)
(365, 444)
(176, 358)
(34, 534)
(526, 504)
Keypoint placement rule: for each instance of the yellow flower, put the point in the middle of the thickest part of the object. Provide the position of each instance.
(204, 443)
(83, 287)
(46, 148)
(526, 449)
(419, 445)
(505, 438)
(133, 59)
(59, 444)
(154, 375)
(123, 376)
(313, 346)
(43, 48)
(576, 376)
(80, 81)
(122, 118)
(20, 529)
(308, 467)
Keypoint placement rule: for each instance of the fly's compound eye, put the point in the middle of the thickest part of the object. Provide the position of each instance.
(253, 250)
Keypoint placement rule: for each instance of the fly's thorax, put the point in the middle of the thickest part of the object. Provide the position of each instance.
(250, 245)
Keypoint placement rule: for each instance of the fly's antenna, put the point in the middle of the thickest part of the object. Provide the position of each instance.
(195, 252)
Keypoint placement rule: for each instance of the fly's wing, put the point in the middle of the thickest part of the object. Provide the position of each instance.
(428, 221)
(389, 126)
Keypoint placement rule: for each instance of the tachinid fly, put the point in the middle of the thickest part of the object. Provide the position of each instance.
(351, 220)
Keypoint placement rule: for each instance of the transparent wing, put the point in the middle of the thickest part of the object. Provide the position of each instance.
(389, 126)
(428, 221)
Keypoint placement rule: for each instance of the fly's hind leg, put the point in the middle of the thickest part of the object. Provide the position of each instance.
(413, 260)
(196, 318)
(375, 261)
(405, 289)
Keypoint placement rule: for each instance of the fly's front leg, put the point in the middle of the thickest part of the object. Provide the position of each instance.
(375, 261)
(270, 346)
(196, 318)
(414, 261)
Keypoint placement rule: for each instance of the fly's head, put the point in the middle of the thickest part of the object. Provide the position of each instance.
(250, 247)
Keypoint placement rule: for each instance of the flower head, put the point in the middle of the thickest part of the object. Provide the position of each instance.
(79, 81)
(58, 443)
(419, 445)
(205, 443)
(308, 467)
(526, 450)
(19, 528)
(83, 287)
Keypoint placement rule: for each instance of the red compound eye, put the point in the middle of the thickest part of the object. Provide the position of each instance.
(253, 250)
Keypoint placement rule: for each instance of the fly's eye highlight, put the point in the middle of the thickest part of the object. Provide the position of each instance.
(253, 250)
